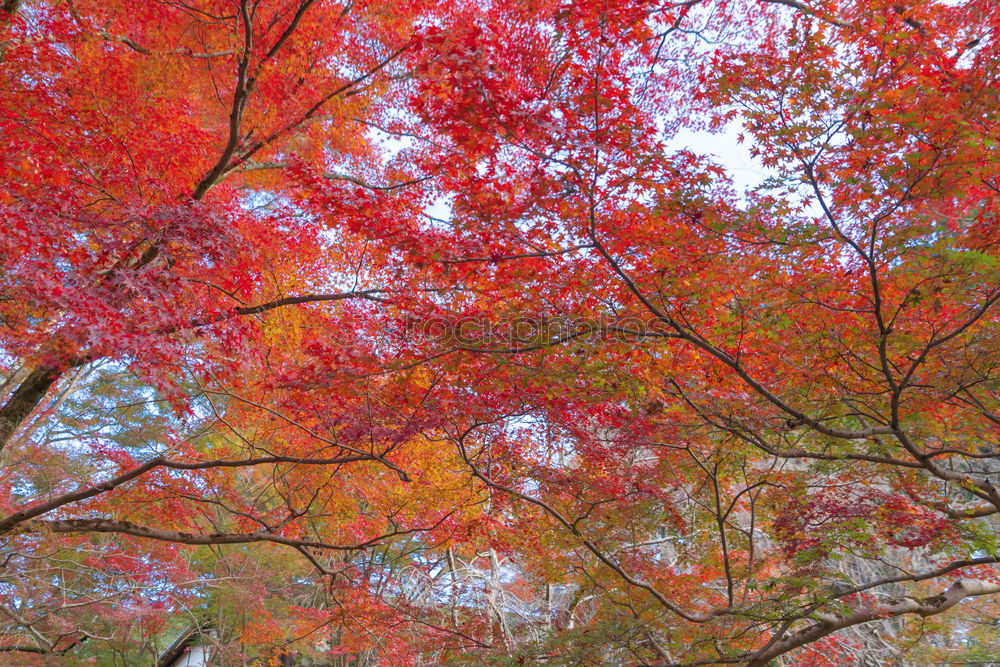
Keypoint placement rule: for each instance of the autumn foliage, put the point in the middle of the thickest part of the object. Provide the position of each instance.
(399, 333)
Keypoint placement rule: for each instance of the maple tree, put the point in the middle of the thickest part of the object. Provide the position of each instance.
(412, 333)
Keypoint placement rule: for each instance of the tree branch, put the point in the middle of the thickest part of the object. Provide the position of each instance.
(180, 537)
(830, 623)
(159, 462)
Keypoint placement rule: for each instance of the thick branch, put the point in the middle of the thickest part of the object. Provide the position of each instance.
(369, 295)
(806, 9)
(180, 537)
(335, 176)
(159, 462)
(830, 623)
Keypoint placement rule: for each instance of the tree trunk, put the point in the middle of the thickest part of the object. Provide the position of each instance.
(25, 399)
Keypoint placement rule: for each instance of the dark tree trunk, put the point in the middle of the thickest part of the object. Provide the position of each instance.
(25, 399)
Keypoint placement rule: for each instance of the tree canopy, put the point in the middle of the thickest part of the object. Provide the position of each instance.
(430, 332)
